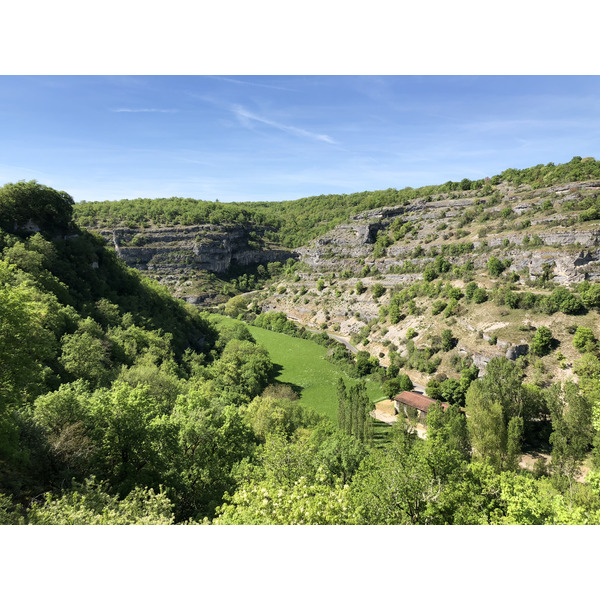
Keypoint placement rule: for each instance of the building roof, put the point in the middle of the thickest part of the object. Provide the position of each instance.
(418, 401)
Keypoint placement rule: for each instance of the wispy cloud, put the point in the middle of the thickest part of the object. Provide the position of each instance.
(145, 110)
(253, 83)
(245, 116)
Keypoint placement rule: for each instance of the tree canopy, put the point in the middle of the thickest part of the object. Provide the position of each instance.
(30, 202)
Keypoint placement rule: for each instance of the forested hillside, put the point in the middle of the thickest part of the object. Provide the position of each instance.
(123, 405)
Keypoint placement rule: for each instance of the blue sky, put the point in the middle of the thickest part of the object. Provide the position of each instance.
(258, 138)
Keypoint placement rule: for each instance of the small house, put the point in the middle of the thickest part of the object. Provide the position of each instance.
(410, 403)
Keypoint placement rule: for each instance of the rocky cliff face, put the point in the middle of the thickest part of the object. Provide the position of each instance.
(175, 254)
(575, 247)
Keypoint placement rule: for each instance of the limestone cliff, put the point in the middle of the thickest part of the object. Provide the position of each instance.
(174, 255)
(574, 253)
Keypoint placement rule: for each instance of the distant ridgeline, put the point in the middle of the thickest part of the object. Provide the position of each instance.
(294, 223)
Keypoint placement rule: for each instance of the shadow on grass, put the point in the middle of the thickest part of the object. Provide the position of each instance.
(297, 388)
(274, 375)
(276, 371)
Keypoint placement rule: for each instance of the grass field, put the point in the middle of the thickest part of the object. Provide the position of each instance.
(301, 363)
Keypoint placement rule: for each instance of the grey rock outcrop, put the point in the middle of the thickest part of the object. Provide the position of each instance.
(513, 352)
(570, 249)
(213, 248)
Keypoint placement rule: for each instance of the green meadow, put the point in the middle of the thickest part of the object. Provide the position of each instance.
(301, 364)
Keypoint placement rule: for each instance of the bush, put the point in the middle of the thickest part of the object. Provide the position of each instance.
(430, 273)
(584, 340)
(452, 308)
(537, 240)
(565, 301)
(541, 344)
(591, 295)
(438, 306)
(479, 296)
(378, 291)
(495, 266)
(511, 299)
(470, 290)
(448, 342)
(454, 293)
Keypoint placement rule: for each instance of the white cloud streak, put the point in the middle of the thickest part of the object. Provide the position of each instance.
(253, 83)
(244, 116)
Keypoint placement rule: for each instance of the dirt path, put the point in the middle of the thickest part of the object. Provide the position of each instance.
(383, 416)
(334, 336)
(528, 462)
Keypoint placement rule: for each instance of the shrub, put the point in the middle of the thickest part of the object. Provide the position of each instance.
(448, 342)
(470, 290)
(495, 266)
(438, 306)
(537, 240)
(511, 299)
(565, 301)
(541, 344)
(430, 273)
(527, 300)
(454, 293)
(479, 295)
(591, 295)
(584, 340)
(378, 290)
(452, 308)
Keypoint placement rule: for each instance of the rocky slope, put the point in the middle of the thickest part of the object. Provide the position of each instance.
(570, 245)
(537, 234)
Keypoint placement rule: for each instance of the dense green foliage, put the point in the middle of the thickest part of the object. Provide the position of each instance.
(95, 361)
(29, 203)
(354, 408)
(541, 343)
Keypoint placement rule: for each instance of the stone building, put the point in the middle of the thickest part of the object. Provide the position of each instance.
(409, 402)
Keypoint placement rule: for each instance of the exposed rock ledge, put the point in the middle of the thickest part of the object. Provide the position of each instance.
(213, 248)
